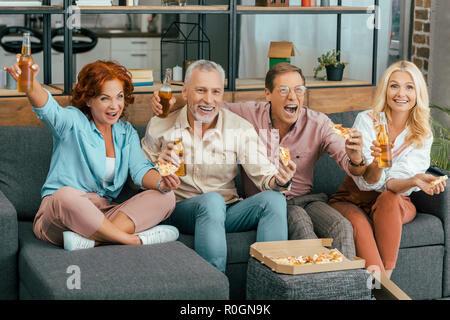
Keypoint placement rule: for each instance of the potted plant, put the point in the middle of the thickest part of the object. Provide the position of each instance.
(440, 149)
(334, 67)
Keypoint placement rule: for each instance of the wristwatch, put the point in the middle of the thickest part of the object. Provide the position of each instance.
(283, 186)
(361, 164)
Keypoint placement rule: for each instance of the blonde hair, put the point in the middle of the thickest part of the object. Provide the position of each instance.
(419, 117)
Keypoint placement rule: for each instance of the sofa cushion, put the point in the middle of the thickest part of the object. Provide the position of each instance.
(327, 174)
(345, 118)
(419, 271)
(25, 159)
(160, 271)
(424, 230)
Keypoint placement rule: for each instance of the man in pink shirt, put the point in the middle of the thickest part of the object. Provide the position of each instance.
(283, 121)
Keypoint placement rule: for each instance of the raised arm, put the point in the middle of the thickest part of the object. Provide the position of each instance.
(38, 96)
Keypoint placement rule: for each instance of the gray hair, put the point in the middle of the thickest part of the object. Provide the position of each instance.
(204, 65)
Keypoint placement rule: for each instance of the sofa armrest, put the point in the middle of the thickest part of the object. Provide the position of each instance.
(438, 205)
(9, 240)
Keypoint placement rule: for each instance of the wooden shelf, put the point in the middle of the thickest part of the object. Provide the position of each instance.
(249, 84)
(137, 89)
(241, 9)
(13, 93)
(258, 83)
(23, 10)
(154, 9)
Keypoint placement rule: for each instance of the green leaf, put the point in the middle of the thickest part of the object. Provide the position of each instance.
(446, 110)
(330, 59)
(440, 150)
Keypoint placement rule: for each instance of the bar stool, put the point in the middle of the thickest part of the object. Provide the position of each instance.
(78, 46)
(15, 46)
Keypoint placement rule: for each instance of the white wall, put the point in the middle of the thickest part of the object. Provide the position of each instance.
(313, 35)
(439, 75)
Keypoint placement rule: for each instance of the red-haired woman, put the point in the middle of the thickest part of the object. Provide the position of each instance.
(93, 153)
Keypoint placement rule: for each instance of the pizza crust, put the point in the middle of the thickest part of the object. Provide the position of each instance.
(166, 168)
(438, 180)
(341, 131)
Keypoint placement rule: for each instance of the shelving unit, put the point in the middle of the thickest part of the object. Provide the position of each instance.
(232, 11)
(241, 9)
(197, 9)
(252, 84)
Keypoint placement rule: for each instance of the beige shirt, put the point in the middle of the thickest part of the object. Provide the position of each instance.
(212, 160)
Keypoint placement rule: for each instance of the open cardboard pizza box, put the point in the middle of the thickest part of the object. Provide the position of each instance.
(383, 289)
(266, 251)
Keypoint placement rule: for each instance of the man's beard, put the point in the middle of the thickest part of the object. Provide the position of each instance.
(204, 118)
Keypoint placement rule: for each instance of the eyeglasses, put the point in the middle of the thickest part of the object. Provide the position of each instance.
(299, 91)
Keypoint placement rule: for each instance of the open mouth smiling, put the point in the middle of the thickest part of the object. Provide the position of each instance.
(291, 109)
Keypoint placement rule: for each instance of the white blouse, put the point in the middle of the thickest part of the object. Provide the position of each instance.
(407, 160)
(109, 172)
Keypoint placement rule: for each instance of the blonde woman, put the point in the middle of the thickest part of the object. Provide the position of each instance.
(377, 203)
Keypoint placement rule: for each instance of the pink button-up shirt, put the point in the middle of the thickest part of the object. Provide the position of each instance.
(307, 140)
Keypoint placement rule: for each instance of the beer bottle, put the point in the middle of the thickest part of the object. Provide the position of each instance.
(165, 93)
(179, 150)
(26, 77)
(385, 160)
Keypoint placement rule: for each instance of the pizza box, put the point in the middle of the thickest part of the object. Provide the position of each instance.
(265, 251)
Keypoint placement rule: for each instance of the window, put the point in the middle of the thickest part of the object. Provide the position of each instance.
(399, 37)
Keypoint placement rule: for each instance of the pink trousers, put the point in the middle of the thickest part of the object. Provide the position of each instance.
(83, 213)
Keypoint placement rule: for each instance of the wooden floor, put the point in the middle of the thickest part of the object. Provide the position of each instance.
(16, 111)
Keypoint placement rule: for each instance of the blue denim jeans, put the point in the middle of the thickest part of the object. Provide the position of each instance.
(209, 218)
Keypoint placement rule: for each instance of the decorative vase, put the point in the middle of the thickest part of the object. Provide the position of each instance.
(324, 3)
(335, 73)
(306, 3)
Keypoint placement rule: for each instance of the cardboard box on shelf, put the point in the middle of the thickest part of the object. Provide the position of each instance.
(281, 51)
(265, 252)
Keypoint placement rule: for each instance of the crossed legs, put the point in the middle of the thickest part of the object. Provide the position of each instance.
(97, 219)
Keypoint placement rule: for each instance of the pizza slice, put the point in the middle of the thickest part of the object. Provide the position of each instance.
(166, 168)
(341, 131)
(285, 156)
(438, 180)
(333, 256)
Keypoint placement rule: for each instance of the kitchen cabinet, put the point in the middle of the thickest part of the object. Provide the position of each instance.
(138, 53)
(102, 51)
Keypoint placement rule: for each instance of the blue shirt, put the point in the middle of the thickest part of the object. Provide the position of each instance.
(79, 155)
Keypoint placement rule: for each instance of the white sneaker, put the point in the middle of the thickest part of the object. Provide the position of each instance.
(159, 234)
(73, 241)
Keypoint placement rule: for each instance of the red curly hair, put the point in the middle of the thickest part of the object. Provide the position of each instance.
(90, 82)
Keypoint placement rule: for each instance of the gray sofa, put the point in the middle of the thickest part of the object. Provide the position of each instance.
(32, 269)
